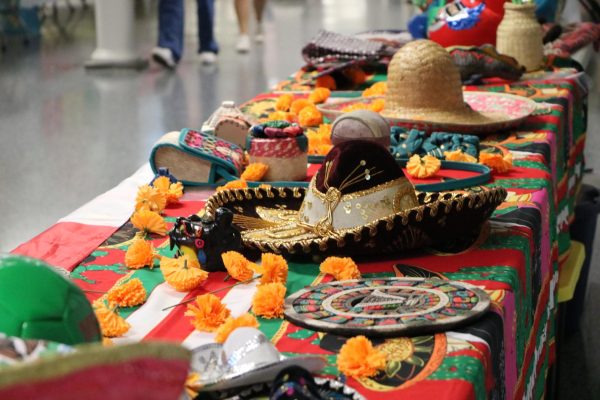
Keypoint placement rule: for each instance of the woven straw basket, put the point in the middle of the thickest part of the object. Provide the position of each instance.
(520, 35)
(424, 84)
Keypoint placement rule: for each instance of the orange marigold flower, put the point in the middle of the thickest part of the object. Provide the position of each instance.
(149, 221)
(268, 300)
(183, 273)
(150, 198)
(342, 268)
(237, 184)
(127, 294)
(359, 359)
(319, 95)
(281, 116)
(299, 104)
(376, 89)
(423, 167)
(497, 162)
(326, 81)
(377, 105)
(140, 254)
(111, 323)
(309, 116)
(356, 106)
(171, 191)
(232, 324)
(255, 171)
(273, 268)
(458, 155)
(319, 141)
(207, 312)
(238, 267)
(284, 102)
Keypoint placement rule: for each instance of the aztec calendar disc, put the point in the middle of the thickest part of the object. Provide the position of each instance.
(386, 307)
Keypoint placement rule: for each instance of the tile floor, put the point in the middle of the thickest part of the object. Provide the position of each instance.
(69, 134)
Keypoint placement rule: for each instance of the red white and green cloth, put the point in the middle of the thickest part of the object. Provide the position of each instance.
(516, 259)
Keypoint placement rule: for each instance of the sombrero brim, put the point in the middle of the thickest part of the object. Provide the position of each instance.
(450, 219)
(486, 112)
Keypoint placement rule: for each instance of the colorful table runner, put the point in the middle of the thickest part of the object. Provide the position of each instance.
(505, 354)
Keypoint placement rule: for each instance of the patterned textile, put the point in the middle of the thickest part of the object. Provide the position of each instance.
(406, 142)
(505, 354)
(574, 37)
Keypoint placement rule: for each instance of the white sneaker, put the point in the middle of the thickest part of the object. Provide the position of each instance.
(208, 57)
(164, 56)
(243, 44)
(259, 36)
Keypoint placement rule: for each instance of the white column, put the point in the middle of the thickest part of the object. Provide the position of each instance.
(115, 36)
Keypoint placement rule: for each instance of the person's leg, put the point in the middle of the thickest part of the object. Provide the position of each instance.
(170, 26)
(206, 17)
(259, 6)
(242, 10)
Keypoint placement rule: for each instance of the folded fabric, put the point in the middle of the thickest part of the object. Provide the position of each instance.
(406, 143)
(197, 158)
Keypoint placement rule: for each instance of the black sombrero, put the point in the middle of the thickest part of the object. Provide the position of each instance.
(359, 202)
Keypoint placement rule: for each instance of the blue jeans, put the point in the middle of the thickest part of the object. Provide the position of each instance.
(170, 26)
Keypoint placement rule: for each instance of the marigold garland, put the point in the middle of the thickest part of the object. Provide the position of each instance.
(223, 331)
(459, 155)
(171, 191)
(238, 267)
(150, 198)
(284, 102)
(299, 104)
(497, 162)
(268, 300)
(319, 141)
(127, 294)
(111, 323)
(149, 221)
(342, 268)
(273, 268)
(140, 254)
(236, 184)
(207, 312)
(281, 116)
(309, 116)
(424, 167)
(376, 89)
(255, 171)
(183, 273)
(359, 359)
(319, 95)
(377, 105)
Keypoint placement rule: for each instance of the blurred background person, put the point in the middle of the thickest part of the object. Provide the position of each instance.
(242, 10)
(170, 32)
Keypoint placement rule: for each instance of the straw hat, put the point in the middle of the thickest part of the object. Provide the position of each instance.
(424, 85)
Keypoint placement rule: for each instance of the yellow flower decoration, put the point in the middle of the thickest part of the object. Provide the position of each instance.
(359, 359)
(376, 89)
(150, 198)
(377, 105)
(238, 267)
(268, 300)
(299, 104)
(183, 273)
(319, 95)
(111, 323)
(342, 268)
(497, 162)
(319, 141)
(423, 167)
(255, 172)
(140, 254)
(149, 221)
(458, 155)
(171, 191)
(356, 106)
(207, 312)
(281, 116)
(284, 102)
(232, 324)
(309, 116)
(128, 294)
(237, 184)
(273, 268)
